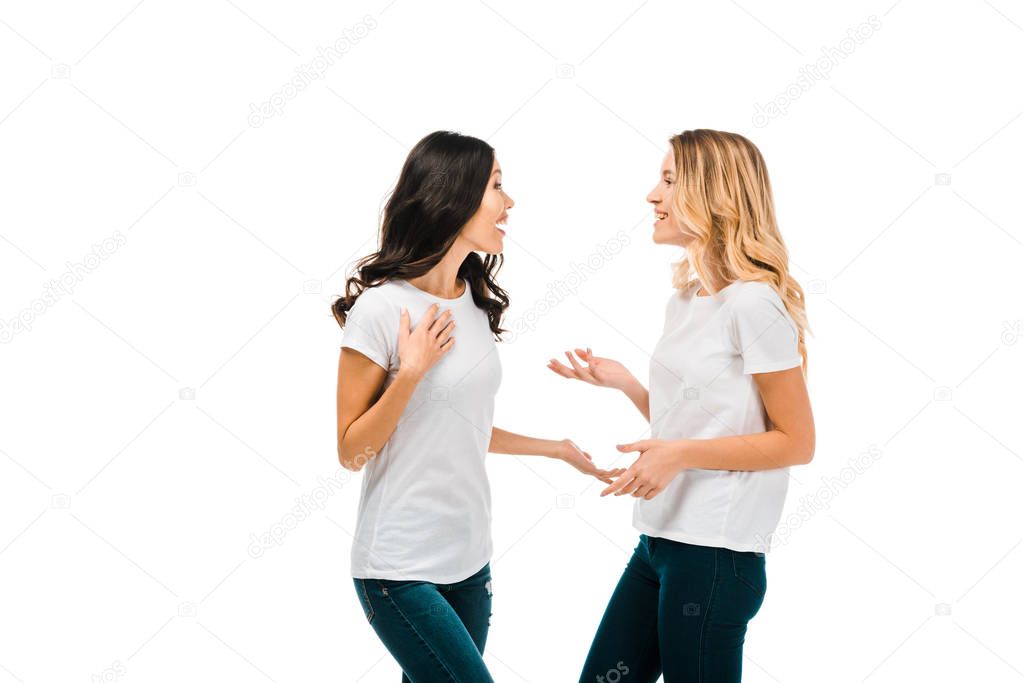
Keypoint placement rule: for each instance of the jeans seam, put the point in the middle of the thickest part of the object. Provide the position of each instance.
(706, 618)
(425, 643)
(745, 581)
(369, 604)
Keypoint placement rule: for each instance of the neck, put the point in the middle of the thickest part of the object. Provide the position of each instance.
(442, 279)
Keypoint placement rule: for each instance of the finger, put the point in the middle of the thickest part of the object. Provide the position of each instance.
(403, 324)
(635, 446)
(561, 369)
(580, 372)
(641, 491)
(446, 332)
(588, 456)
(448, 343)
(653, 492)
(630, 487)
(572, 360)
(439, 321)
(585, 355)
(621, 481)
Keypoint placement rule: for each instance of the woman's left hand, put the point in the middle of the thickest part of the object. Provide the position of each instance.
(581, 460)
(658, 463)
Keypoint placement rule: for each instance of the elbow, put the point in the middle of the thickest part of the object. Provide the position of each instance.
(806, 449)
(354, 462)
(349, 463)
(800, 448)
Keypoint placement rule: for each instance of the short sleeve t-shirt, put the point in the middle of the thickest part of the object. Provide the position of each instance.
(701, 387)
(424, 511)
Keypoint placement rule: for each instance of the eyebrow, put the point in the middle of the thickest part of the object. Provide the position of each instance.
(496, 170)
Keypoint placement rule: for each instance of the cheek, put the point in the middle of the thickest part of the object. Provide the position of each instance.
(494, 204)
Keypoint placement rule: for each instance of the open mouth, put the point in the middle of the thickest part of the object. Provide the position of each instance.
(502, 221)
(660, 215)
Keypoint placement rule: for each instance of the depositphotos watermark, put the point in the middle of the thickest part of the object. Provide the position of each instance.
(64, 286)
(819, 70)
(561, 289)
(830, 488)
(325, 58)
(305, 506)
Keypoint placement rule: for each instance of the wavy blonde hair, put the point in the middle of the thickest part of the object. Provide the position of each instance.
(723, 198)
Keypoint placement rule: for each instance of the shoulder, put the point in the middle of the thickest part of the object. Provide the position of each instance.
(681, 294)
(755, 303)
(380, 301)
(750, 295)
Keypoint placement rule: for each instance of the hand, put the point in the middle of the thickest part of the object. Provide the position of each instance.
(658, 463)
(420, 349)
(581, 460)
(601, 372)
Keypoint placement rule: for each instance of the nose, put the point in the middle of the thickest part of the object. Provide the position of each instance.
(509, 202)
(653, 198)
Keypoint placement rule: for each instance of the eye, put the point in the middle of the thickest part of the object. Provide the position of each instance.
(667, 180)
(498, 186)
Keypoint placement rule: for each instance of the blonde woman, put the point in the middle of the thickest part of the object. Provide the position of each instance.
(729, 414)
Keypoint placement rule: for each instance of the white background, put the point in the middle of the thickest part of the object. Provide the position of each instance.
(128, 505)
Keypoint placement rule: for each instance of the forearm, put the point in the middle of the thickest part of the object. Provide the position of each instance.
(502, 441)
(639, 396)
(747, 453)
(367, 435)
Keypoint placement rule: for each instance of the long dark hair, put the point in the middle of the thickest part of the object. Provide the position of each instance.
(440, 188)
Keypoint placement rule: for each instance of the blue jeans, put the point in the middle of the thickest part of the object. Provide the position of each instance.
(680, 610)
(436, 631)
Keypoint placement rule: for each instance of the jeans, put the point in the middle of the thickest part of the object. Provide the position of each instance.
(436, 631)
(680, 610)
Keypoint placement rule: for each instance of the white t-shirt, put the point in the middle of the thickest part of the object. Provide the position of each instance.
(701, 387)
(424, 514)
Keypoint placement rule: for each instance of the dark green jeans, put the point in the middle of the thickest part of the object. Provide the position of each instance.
(436, 631)
(679, 610)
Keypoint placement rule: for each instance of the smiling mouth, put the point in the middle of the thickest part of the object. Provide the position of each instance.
(502, 221)
(660, 215)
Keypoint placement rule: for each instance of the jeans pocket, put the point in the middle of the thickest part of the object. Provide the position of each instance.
(363, 593)
(751, 570)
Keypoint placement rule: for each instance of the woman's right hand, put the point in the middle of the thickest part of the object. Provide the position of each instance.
(600, 372)
(421, 348)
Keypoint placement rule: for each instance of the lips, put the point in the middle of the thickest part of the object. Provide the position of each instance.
(501, 221)
(660, 215)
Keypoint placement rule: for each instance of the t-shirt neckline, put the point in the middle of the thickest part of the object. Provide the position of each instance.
(433, 297)
(697, 296)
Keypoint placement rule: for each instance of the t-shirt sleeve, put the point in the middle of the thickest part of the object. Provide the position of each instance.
(765, 335)
(372, 328)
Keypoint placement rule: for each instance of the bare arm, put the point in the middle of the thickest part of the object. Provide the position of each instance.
(639, 396)
(790, 441)
(502, 441)
(366, 418)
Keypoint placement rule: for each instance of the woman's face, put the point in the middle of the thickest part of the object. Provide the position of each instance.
(668, 227)
(482, 232)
